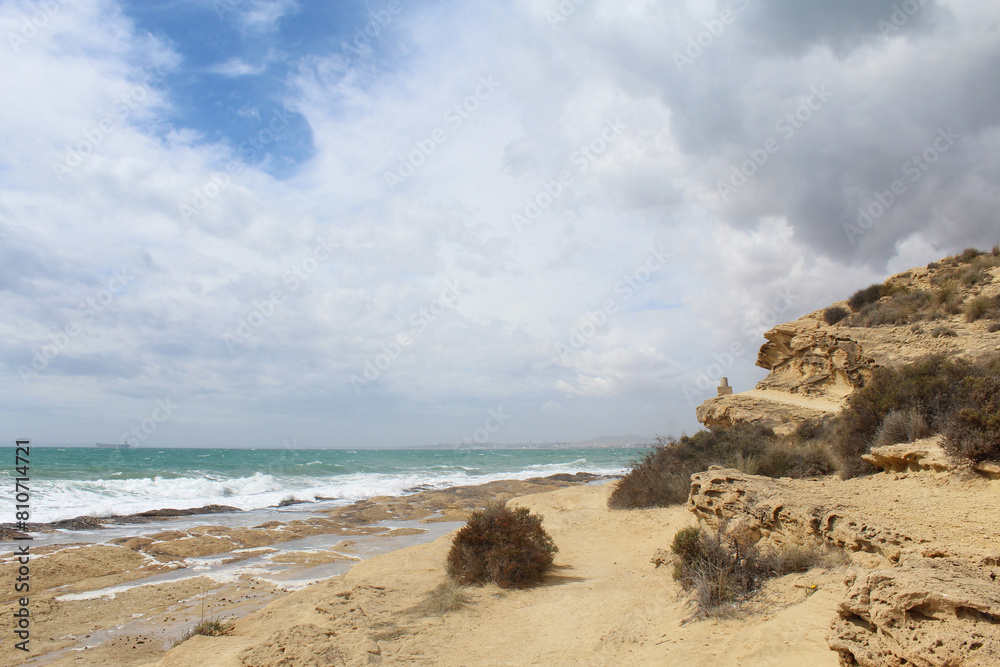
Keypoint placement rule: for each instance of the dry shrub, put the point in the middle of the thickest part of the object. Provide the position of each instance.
(902, 426)
(969, 254)
(663, 476)
(903, 307)
(865, 296)
(982, 307)
(957, 397)
(211, 628)
(947, 332)
(834, 314)
(500, 545)
(993, 327)
(787, 458)
(719, 573)
(947, 296)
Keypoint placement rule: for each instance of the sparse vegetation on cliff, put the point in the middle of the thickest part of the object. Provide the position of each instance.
(956, 397)
(865, 296)
(663, 476)
(835, 314)
(943, 299)
(500, 545)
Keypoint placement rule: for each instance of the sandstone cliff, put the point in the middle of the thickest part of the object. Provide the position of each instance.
(923, 584)
(814, 366)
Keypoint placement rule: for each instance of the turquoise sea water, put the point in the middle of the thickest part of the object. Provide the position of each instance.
(74, 481)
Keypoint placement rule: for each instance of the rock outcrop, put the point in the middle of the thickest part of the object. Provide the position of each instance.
(936, 612)
(924, 587)
(923, 454)
(754, 509)
(814, 366)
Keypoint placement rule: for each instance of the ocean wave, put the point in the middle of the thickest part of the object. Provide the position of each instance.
(64, 499)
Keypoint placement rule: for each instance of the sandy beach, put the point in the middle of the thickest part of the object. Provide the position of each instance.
(606, 603)
(142, 586)
(362, 584)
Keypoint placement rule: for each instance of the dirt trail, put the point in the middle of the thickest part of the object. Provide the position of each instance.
(800, 400)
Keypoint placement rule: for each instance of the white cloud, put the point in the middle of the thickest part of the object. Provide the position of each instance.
(543, 145)
(236, 67)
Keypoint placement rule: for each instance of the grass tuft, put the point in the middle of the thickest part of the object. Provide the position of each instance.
(210, 628)
(447, 596)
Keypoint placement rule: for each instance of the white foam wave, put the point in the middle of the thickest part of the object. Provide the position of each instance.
(115, 496)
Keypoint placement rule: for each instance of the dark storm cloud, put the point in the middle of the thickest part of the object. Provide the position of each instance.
(793, 27)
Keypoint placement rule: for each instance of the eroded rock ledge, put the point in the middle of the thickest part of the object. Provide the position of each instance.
(929, 599)
(813, 367)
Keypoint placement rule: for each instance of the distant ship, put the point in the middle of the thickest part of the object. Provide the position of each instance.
(123, 445)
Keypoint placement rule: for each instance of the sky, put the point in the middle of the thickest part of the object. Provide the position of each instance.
(267, 223)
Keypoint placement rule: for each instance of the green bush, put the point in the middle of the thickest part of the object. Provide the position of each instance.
(972, 429)
(504, 546)
(924, 385)
(834, 314)
(663, 476)
(956, 397)
(865, 296)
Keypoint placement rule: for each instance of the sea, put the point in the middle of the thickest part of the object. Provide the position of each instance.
(68, 482)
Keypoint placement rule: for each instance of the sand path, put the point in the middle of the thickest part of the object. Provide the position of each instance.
(799, 400)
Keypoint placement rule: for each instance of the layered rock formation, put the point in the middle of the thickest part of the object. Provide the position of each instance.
(923, 587)
(814, 366)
